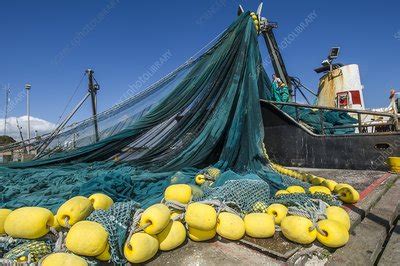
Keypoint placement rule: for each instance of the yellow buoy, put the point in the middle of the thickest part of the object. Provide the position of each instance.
(101, 201)
(319, 189)
(259, 225)
(254, 17)
(394, 163)
(175, 213)
(329, 184)
(155, 218)
(230, 226)
(200, 179)
(141, 248)
(348, 195)
(339, 186)
(201, 216)
(332, 234)
(87, 238)
(28, 222)
(298, 229)
(3, 215)
(75, 209)
(105, 255)
(295, 189)
(200, 235)
(64, 259)
(278, 211)
(281, 192)
(172, 236)
(180, 192)
(316, 181)
(339, 215)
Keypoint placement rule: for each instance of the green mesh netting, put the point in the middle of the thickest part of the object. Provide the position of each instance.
(206, 113)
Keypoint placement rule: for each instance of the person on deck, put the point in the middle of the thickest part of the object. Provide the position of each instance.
(280, 91)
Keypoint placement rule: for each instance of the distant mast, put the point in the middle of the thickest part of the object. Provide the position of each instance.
(6, 108)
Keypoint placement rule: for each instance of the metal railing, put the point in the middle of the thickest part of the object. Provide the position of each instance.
(388, 122)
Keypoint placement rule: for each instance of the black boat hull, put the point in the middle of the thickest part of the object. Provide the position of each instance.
(291, 144)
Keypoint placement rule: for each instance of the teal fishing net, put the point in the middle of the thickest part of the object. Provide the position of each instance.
(206, 112)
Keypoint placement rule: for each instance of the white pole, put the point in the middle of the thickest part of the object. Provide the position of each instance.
(28, 87)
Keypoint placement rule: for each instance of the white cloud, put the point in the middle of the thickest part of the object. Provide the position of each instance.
(37, 124)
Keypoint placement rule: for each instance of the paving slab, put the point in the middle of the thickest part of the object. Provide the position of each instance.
(367, 238)
(210, 253)
(391, 254)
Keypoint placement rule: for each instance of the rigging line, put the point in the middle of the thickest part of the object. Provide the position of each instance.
(70, 99)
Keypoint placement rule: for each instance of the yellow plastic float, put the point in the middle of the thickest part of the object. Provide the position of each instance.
(3, 215)
(339, 215)
(141, 247)
(295, 189)
(75, 209)
(201, 216)
(230, 226)
(101, 201)
(87, 238)
(155, 218)
(282, 192)
(200, 235)
(64, 259)
(180, 192)
(259, 225)
(316, 181)
(330, 184)
(200, 179)
(394, 164)
(172, 236)
(278, 211)
(319, 189)
(298, 229)
(28, 222)
(348, 194)
(333, 235)
(339, 186)
(105, 255)
(260, 206)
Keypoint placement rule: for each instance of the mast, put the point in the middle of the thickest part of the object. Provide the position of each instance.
(28, 88)
(93, 88)
(6, 109)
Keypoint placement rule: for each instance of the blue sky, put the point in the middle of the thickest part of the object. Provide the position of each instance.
(50, 43)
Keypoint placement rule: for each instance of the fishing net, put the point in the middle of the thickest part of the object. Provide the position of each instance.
(116, 221)
(205, 117)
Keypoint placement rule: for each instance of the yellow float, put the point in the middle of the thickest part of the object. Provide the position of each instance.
(105, 255)
(333, 234)
(295, 189)
(316, 181)
(259, 225)
(319, 189)
(213, 172)
(330, 184)
(172, 236)
(64, 259)
(339, 215)
(200, 179)
(141, 247)
(259, 206)
(180, 192)
(298, 229)
(201, 216)
(101, 201)
(200, 235)
(75, 209)
(278, 211)
(3, 215)
(281, 192)
(87, 238)
(230, 226)
(56, 225)
(155, 218)
(339, 186)
(28, 222)
(348, 194)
